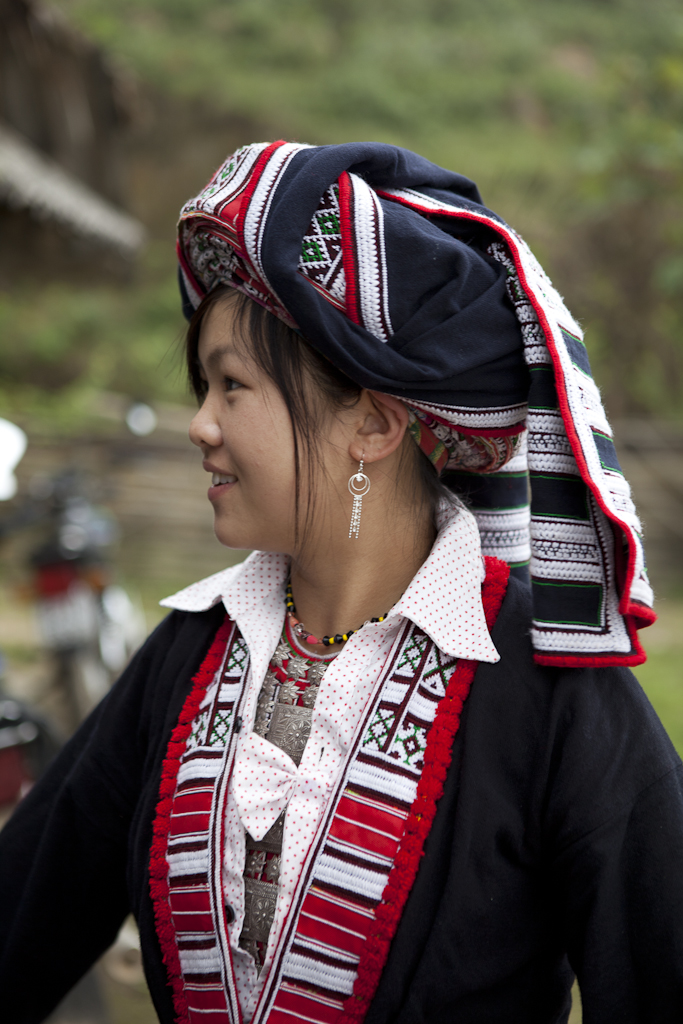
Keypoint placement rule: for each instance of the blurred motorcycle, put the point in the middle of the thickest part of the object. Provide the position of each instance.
(86, 622)
(90, 628)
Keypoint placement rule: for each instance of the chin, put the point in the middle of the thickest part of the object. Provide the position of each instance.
(233, 539)
(249, 530)
(240, 537)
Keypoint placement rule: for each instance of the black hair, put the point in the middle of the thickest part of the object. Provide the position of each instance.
(310, 386)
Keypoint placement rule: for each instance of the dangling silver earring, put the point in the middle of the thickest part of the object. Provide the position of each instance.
(359, 485)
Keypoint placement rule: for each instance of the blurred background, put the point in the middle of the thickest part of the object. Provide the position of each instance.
(567, 114)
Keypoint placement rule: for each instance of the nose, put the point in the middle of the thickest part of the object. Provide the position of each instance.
(205, 430)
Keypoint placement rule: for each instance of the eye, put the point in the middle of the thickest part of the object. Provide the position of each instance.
(230, 384)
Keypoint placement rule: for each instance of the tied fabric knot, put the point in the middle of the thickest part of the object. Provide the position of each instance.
(264, 780)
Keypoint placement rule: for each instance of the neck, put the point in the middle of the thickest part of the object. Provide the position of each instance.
(338, 583)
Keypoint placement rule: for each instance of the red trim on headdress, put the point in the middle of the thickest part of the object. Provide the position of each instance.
(438, 754)
(637, 656)
(348, 246)
(512, 431)
(517, 428)
(248, 192)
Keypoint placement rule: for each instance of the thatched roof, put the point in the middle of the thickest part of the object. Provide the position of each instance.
(32, 181)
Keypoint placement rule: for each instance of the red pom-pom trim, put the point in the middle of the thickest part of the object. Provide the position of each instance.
(158, 865)
(438, 754)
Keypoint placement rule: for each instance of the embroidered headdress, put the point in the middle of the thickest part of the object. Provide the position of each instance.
(394, 270)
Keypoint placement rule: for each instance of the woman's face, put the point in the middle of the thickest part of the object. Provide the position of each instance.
(245, 434)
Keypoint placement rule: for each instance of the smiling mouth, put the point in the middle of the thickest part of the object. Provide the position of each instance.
(222, 478)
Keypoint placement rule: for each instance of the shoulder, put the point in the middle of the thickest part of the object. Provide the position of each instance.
(148, 696)
(602, 698)
(585, 738)
(180, 639)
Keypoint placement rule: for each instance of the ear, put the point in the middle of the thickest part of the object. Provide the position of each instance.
(382, 429)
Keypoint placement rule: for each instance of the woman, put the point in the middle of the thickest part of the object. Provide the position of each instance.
(368, 774)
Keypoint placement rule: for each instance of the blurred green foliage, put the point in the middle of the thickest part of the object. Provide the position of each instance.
(69, 343)
(662, 679)
(409, 70)
(568, 113)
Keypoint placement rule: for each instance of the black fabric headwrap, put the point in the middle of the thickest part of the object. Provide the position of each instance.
(392, 268)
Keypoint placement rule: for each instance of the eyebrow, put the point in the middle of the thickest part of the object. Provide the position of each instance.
(217, 354)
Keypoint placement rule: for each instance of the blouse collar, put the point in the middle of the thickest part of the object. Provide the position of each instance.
(443, 598)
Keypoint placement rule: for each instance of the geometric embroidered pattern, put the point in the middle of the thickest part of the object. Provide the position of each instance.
(190, 847)
(379, 729)
(315, 971)
(220, 727)
(198, 733)
(321, 250)
(586, 609)
(363, 860)
(437, 671)
(353, 865)
(237, 658)
(577, 555)
(413, 653)
(411, 739)
(210, 250)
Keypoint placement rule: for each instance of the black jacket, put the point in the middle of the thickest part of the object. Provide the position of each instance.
(557, 848)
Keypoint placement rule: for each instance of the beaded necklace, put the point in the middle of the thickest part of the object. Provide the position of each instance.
(303, 634)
